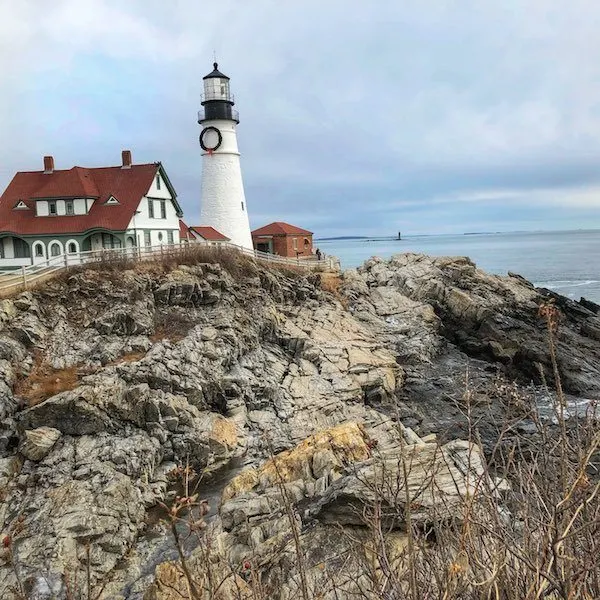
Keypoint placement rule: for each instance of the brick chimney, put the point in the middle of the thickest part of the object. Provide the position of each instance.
(126, 159)
(48, 165)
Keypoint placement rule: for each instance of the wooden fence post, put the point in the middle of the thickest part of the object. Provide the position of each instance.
(24, 274)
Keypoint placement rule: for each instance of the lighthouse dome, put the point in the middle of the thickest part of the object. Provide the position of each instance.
(215, 73)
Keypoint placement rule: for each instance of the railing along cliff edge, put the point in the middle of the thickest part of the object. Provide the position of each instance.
(20, 279)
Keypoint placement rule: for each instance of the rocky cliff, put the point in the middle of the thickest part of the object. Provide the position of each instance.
(276, 391)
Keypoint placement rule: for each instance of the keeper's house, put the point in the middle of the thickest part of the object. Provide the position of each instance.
(53, 212)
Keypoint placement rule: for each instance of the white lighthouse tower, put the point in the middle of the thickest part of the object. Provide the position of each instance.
(223, 201)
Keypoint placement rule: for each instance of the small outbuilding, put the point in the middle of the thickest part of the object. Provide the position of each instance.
(283, 239)
(202, 233)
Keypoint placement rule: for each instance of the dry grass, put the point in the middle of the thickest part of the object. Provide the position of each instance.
(44, 382)
(128, 357)
(332, 284)
(231, 260)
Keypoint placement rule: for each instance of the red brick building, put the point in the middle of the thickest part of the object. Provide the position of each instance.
(283, 239)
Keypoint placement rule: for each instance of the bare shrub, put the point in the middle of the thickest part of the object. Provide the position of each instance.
(173, 324)
(538, 539)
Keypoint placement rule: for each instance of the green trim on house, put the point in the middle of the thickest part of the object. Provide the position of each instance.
(171, 189)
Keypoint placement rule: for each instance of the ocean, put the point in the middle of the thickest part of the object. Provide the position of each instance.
(567, 262)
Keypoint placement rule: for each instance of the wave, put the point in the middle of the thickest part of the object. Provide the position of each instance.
(552, 285)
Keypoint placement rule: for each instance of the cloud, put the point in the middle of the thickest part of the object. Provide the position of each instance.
(426, 114)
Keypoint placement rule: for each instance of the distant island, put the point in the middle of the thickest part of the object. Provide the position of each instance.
(341, 237)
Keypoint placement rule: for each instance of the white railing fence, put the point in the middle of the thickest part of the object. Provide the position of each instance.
(20, 279)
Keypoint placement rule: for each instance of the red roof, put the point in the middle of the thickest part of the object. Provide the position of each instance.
(280, 228)
(210, 234)
(76, 183)
(128, 186)
(184, 231)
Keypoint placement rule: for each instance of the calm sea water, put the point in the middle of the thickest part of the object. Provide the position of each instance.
(565, 261)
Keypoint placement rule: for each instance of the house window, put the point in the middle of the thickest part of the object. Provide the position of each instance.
(147, 240)
(160, 236)
(158, 182)
(151, 208)
(163, 209)
(170, 237)
(295, 243)
(54, 249)
(52, 208)
(39, 250)
(70, 209)
(72, 248)
(1, 248)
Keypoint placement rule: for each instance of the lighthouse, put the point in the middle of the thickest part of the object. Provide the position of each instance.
(222, 196)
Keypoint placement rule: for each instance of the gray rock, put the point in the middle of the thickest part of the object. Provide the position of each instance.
(252, 362)
(36, 443)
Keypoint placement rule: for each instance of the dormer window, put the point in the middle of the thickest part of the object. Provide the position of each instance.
(112, 200)
(69, 207)
(52, 208)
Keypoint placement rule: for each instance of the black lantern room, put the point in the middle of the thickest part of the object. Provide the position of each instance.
(217, 99)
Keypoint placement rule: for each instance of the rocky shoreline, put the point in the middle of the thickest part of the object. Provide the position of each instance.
(278, 389)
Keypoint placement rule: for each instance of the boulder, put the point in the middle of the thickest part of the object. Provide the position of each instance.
(36, 443)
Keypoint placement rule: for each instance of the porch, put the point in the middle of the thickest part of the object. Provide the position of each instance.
(14, 252)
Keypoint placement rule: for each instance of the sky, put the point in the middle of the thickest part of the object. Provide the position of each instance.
(357, 118)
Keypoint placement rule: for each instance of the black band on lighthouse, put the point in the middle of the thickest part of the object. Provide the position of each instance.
(219, 139)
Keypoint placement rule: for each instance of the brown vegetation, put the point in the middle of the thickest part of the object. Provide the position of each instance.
(43, 381)
(332, 284)
(235, 262)
(128, 357)
(172, 325)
